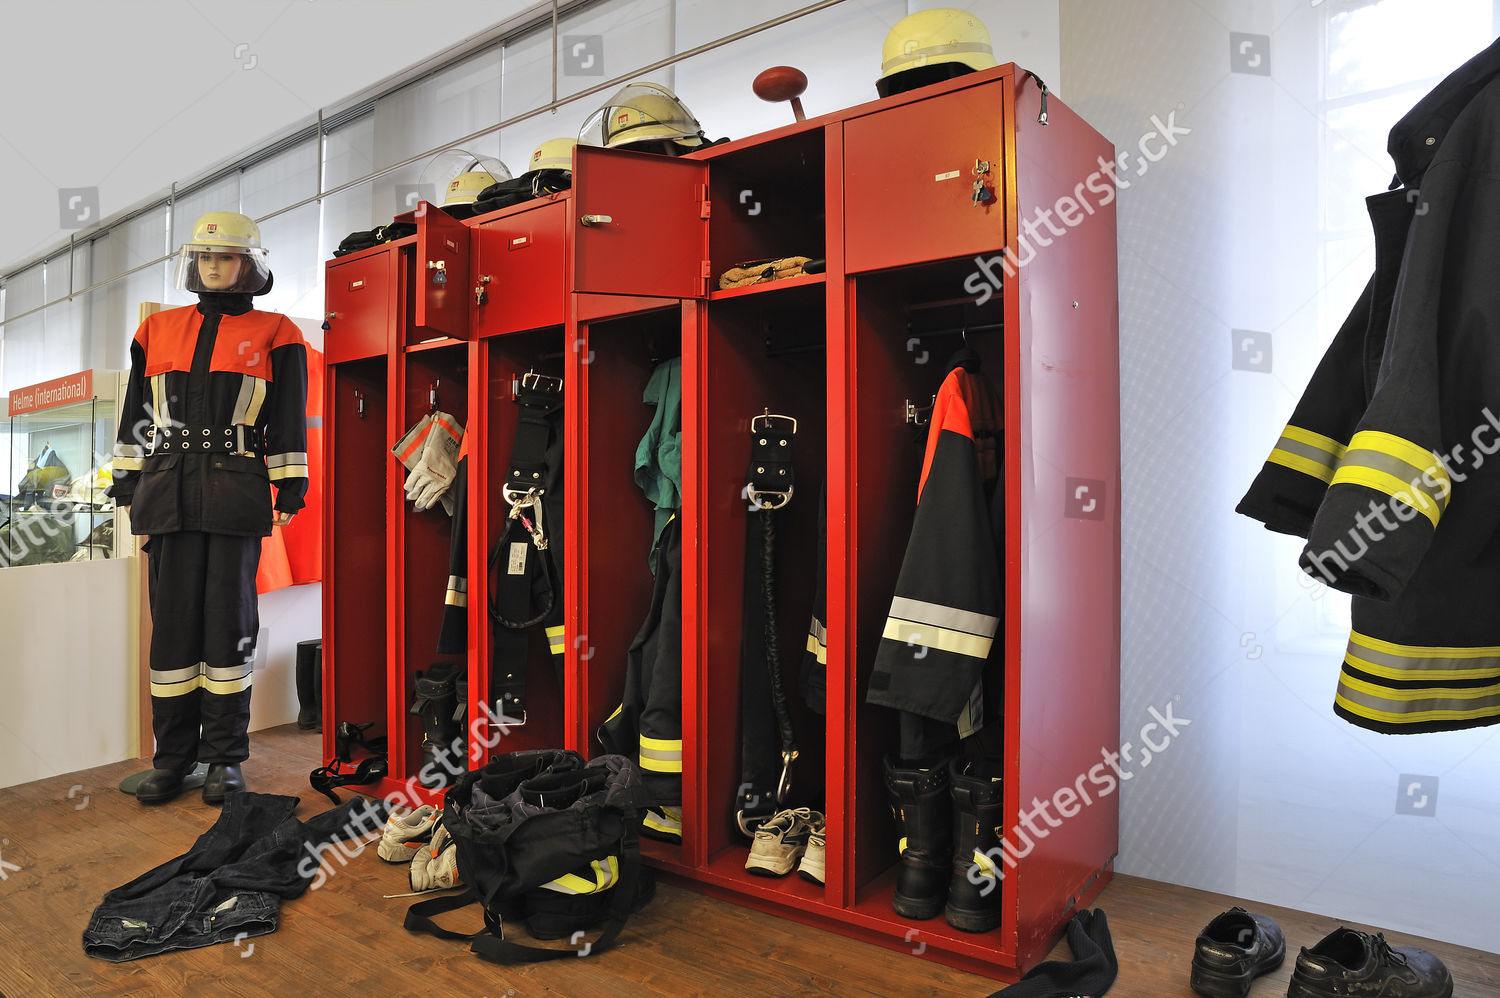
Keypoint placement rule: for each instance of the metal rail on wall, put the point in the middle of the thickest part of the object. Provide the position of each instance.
(359, 105)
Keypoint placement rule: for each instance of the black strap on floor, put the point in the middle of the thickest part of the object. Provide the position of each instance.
(525, 589)
(768, 746)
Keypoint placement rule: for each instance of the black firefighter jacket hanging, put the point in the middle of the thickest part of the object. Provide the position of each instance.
(1387, 465)
(937, 640)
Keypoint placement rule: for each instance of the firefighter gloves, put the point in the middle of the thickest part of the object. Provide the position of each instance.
(429, 451)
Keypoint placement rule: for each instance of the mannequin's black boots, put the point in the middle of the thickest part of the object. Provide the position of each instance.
(921, 805)
(978, 819)
(310, 685)
(436, 702)
(159, 786)
(224, 778)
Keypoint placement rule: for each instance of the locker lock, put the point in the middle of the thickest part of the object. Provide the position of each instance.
(480, 295)
(440, 271)
(590, 220)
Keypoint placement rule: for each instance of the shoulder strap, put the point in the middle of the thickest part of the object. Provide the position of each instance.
(419, 915)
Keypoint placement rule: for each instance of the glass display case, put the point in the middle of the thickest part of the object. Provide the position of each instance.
(55, 447)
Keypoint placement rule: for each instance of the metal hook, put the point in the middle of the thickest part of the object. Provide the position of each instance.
(432, 400)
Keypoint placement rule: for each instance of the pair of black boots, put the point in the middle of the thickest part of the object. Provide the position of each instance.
(1239, 946)
(947, 815)
(442, 701)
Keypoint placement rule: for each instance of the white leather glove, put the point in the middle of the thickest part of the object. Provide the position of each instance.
(433, 475)
(408, 449)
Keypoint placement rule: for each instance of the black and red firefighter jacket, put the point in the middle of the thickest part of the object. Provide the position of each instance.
(949, 598)
(1386, 466)
(213, 417)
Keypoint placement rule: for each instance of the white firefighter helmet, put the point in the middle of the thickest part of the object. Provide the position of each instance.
(933, 45)
(553, 154)
(223, 254)
(457, 176)
(642, 112)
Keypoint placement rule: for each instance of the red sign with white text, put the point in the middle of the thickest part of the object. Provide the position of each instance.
(60, 391)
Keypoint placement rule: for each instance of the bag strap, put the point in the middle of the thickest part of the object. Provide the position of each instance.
(490, 946)
(419, 915)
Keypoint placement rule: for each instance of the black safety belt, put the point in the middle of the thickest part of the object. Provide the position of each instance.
(768, 746)
(525, 588)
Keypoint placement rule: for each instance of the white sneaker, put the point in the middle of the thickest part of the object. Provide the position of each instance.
(812, 863)
(405, 833)
(435, 866)
(781, 841)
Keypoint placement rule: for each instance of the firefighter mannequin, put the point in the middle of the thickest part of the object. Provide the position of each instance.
(214, 418)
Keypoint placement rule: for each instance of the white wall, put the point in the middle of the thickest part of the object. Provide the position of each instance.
(1254, 221)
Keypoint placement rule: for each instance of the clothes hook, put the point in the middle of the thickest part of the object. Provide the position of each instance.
(432, 400)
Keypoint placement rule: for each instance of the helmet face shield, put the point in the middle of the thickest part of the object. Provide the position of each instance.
(456, 176)
(225, 269)
(641, 112)
(222, 255)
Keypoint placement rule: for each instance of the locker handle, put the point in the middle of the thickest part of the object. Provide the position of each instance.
(590, 220)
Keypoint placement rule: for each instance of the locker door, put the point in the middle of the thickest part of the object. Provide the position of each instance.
(909, 180)
(524, 257)
(360, 308)
(639, 224)
(442, 302)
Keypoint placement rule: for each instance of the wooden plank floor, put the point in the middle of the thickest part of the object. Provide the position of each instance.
(65, 841)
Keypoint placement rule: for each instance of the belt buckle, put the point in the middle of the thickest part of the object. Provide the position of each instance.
(768, 417)
(532, 381)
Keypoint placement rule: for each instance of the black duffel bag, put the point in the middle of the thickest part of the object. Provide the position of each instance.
(549, 839)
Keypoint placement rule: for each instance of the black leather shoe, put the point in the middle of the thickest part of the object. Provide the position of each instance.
(1234, 949)
(223, 779)
(1350, 964)
(159, 786)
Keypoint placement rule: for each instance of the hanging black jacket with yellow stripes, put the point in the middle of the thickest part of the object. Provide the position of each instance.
(213, 417)
(949, 600)
(1388, 466)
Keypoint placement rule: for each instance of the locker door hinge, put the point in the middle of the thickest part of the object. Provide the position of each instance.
(705, 208)
(707, 270)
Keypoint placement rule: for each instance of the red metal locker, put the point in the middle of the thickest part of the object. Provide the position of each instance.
(360, 305)
(520, 264)
(911, 171)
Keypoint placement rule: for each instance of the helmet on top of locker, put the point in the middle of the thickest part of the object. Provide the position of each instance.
(933, 45)
(553, 154)
(223, 254)
(459, 176)
(644, 115)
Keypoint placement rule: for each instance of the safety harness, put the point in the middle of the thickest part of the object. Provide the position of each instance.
(524, 582)
(769, 489)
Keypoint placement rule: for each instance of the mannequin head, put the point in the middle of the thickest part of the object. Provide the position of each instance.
(219, 271)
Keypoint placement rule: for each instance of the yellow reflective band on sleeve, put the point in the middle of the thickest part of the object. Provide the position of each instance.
(287, 471)
(555, 640)
(1308, 452)
(818, 648)
(455, 598)
(661, 755)
(941, 638)
(126, 463)
(1399, 468)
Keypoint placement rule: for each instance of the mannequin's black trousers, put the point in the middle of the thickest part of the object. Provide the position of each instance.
(204, 618)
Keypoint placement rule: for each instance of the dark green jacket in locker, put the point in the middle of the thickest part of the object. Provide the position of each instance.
(1399, 468)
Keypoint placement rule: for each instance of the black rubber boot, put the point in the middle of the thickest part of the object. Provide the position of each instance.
(920, 804)
(978, 814)
(159, 786)
(435, 703)
(461, 718)
(224, 778)
(309, 685)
